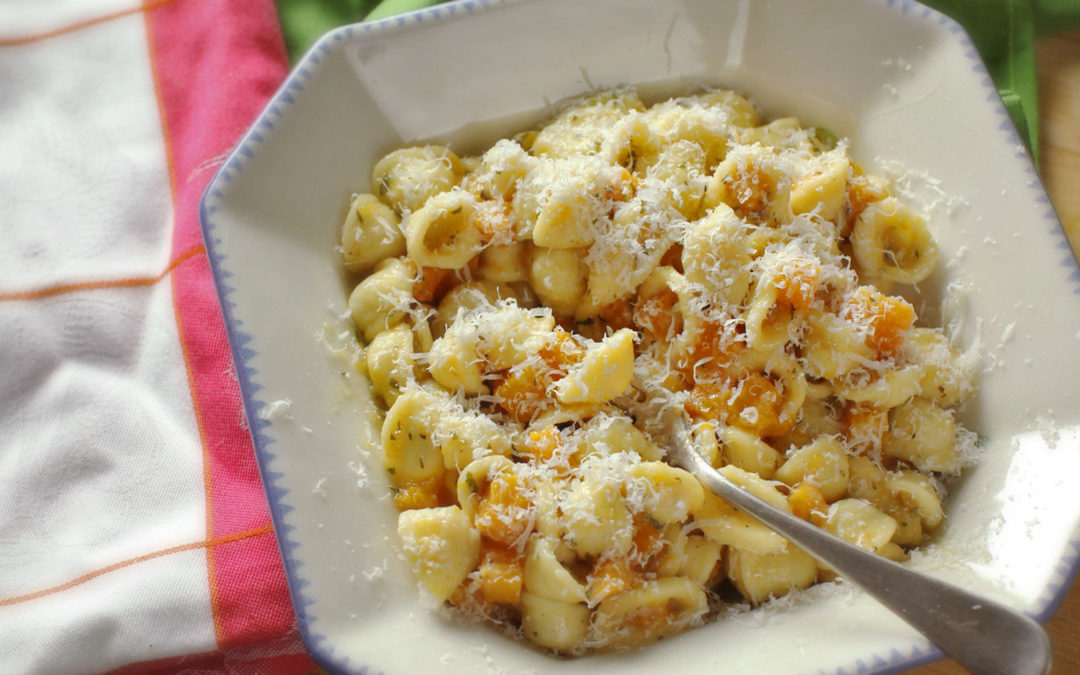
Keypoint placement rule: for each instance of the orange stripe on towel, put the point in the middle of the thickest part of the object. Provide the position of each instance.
(202, 116)
(60, 289)
(85, 23)
(207, 544)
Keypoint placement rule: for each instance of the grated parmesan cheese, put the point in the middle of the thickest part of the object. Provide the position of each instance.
(746, 273)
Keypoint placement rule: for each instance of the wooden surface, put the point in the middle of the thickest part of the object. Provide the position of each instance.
(1059, 85)
(1059, 101)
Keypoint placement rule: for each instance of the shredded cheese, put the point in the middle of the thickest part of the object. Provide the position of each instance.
(744, 272)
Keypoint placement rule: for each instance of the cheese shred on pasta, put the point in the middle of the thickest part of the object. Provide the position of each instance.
(747, 271)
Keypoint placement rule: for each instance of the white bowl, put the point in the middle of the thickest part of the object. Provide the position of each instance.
(902, 81)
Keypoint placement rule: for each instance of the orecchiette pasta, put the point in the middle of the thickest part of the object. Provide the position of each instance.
(604, 372)
(443, 232)
(442, 546)
(727, 526)
(760, 576)
(390, 363)
(861, 523)
(751, 181)
(465, 296)
(716, 255)
(501, 169)
(559, 277)
(923, 434)
(598, 519)
(607, 435)
(823, 464)
(650, 611)
(746, 451)
(822, 190)
(504, 264)
(382, 300)
(701, 560)
(455, 363)
(405, 179)
(741, 271)
(371, 233)
(545, 575)
(560, 626)
(667, 494)
(409, 451)
(579, 129)
(893, 243)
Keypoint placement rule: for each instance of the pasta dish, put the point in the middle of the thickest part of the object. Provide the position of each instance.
(751, 273)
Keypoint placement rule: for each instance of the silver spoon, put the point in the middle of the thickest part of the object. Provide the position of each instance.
(982, 635)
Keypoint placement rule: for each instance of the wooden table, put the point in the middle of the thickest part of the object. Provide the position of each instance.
(1059, 100)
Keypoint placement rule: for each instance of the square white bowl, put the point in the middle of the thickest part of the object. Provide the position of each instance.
(903, 82)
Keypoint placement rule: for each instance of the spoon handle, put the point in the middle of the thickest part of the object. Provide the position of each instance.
(980, 634)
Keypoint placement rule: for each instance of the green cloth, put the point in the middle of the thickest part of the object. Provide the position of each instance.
(1004, 31)
(304, 21)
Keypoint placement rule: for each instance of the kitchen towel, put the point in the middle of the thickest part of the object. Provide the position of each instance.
(134, 533)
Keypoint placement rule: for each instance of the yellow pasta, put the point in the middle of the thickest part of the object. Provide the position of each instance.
(559, 626)
(371, 233)
(382, 300)
(823, 463)
(652, 610)
(390, 363)
(861, 523)
(546, 577)
(442, 546)
(443, 232)
(891, 242)
(405, 179)
(558, 276)
(761, 576)
(740, 268)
